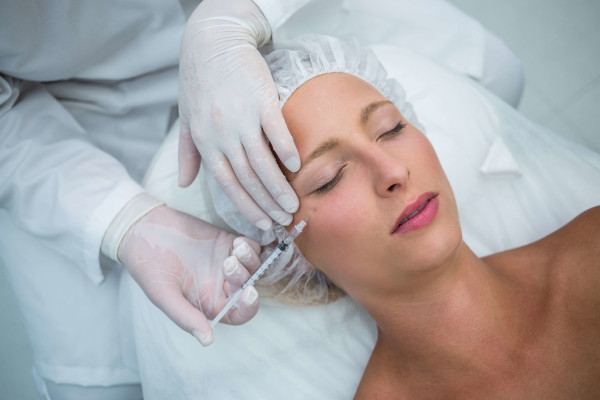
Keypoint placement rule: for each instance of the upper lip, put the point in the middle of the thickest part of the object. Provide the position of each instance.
(413, 207)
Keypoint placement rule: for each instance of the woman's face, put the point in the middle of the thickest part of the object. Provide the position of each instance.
(364, 170)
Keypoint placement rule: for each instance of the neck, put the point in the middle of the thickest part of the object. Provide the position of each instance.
(457, 312)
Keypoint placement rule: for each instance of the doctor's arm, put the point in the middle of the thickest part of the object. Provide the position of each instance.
(60, 188)
(229, 107)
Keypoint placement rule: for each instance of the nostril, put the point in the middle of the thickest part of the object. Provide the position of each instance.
(400, 181)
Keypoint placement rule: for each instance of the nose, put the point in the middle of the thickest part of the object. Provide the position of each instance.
(390, 173)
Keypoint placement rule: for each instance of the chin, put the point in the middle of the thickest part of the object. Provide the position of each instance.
(446, 247)
(438, 247)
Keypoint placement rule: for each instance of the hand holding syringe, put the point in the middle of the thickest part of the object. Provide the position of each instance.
(281, 247)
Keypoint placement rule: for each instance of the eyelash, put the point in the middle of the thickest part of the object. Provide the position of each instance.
(397, 129)
(326, 187)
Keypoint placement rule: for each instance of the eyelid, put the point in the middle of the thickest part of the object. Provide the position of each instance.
(330, 184)
(395, 130)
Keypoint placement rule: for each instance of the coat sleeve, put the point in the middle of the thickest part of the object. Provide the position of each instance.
(278, 11)
(55, 184)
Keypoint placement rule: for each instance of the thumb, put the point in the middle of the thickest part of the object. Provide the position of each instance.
(189, 157)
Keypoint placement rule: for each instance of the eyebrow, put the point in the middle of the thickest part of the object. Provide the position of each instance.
(370, 108)
(323, 148)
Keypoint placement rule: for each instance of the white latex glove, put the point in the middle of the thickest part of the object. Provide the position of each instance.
(185, 267)
(226, 94)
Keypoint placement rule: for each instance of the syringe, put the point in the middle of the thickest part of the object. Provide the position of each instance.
(281, 247)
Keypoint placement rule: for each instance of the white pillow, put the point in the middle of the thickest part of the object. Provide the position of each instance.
(534, 182)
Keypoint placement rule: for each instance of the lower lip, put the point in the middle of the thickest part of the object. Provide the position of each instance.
(422, 219)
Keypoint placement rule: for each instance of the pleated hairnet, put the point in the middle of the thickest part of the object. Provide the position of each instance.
(293, 63)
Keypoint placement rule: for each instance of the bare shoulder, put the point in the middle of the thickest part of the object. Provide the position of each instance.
(565, 264)
(574, 246)
(576, 263)
(580, 238)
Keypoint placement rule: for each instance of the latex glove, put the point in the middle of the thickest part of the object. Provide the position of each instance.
(184, 266)
(226, 94)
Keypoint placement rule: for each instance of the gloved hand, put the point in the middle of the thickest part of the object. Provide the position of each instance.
(226, 94)
(184, 266)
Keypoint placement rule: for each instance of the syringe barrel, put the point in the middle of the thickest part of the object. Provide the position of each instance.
(294, 232)
(263, 268)
(289, 238)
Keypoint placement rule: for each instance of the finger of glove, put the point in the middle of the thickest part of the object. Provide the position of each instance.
(256, 247)
(186, 316)
(264, 164)
(250, 181)
(235, 274)
(221, 170)
(247, 307)
(277, 131)
(246, 254)
(189, 158)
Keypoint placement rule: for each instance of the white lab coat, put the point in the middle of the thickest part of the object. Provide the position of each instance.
(87, 88)
(86, 93)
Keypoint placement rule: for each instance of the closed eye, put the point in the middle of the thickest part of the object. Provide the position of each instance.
(329, 185)
(396, 130)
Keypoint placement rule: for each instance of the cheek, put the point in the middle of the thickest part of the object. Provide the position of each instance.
(429, 158)
(336, 227)
(444, 184)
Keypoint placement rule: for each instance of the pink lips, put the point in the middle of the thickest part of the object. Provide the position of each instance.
(417, 214)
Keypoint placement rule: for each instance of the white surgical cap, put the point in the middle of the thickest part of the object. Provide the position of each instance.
(293, 63)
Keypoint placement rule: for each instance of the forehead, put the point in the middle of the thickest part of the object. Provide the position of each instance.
(328, 101)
